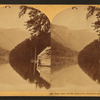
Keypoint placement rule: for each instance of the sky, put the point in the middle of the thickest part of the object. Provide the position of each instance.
(74, 18)
(9, 18)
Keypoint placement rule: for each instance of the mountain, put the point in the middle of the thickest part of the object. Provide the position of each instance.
(73, 39)
(9, 38)
(59, 34)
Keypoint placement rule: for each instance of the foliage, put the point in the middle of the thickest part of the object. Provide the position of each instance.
(38, 22)
(91, 10)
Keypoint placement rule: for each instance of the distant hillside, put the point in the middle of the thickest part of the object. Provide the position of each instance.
(4, 56)
(60, 34)
(9, 38)
(73, 39)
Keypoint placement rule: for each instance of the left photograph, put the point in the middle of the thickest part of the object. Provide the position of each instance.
(25, 49)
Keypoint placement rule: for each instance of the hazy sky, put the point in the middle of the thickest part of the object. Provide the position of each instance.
(74, 18)
(9, 18)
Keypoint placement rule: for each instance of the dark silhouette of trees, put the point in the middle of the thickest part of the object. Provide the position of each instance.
(91, 10)
(88, 58)
(38, 25)
(38, 21)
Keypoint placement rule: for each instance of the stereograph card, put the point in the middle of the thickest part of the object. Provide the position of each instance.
(49, 50)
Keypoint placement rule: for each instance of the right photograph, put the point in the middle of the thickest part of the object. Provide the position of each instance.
(75, 55)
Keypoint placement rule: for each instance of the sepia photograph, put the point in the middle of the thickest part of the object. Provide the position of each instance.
(49, 49)
(25, 49)
(75, 55)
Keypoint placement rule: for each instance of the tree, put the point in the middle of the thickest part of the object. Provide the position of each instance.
(38, 22)
(91, 10)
